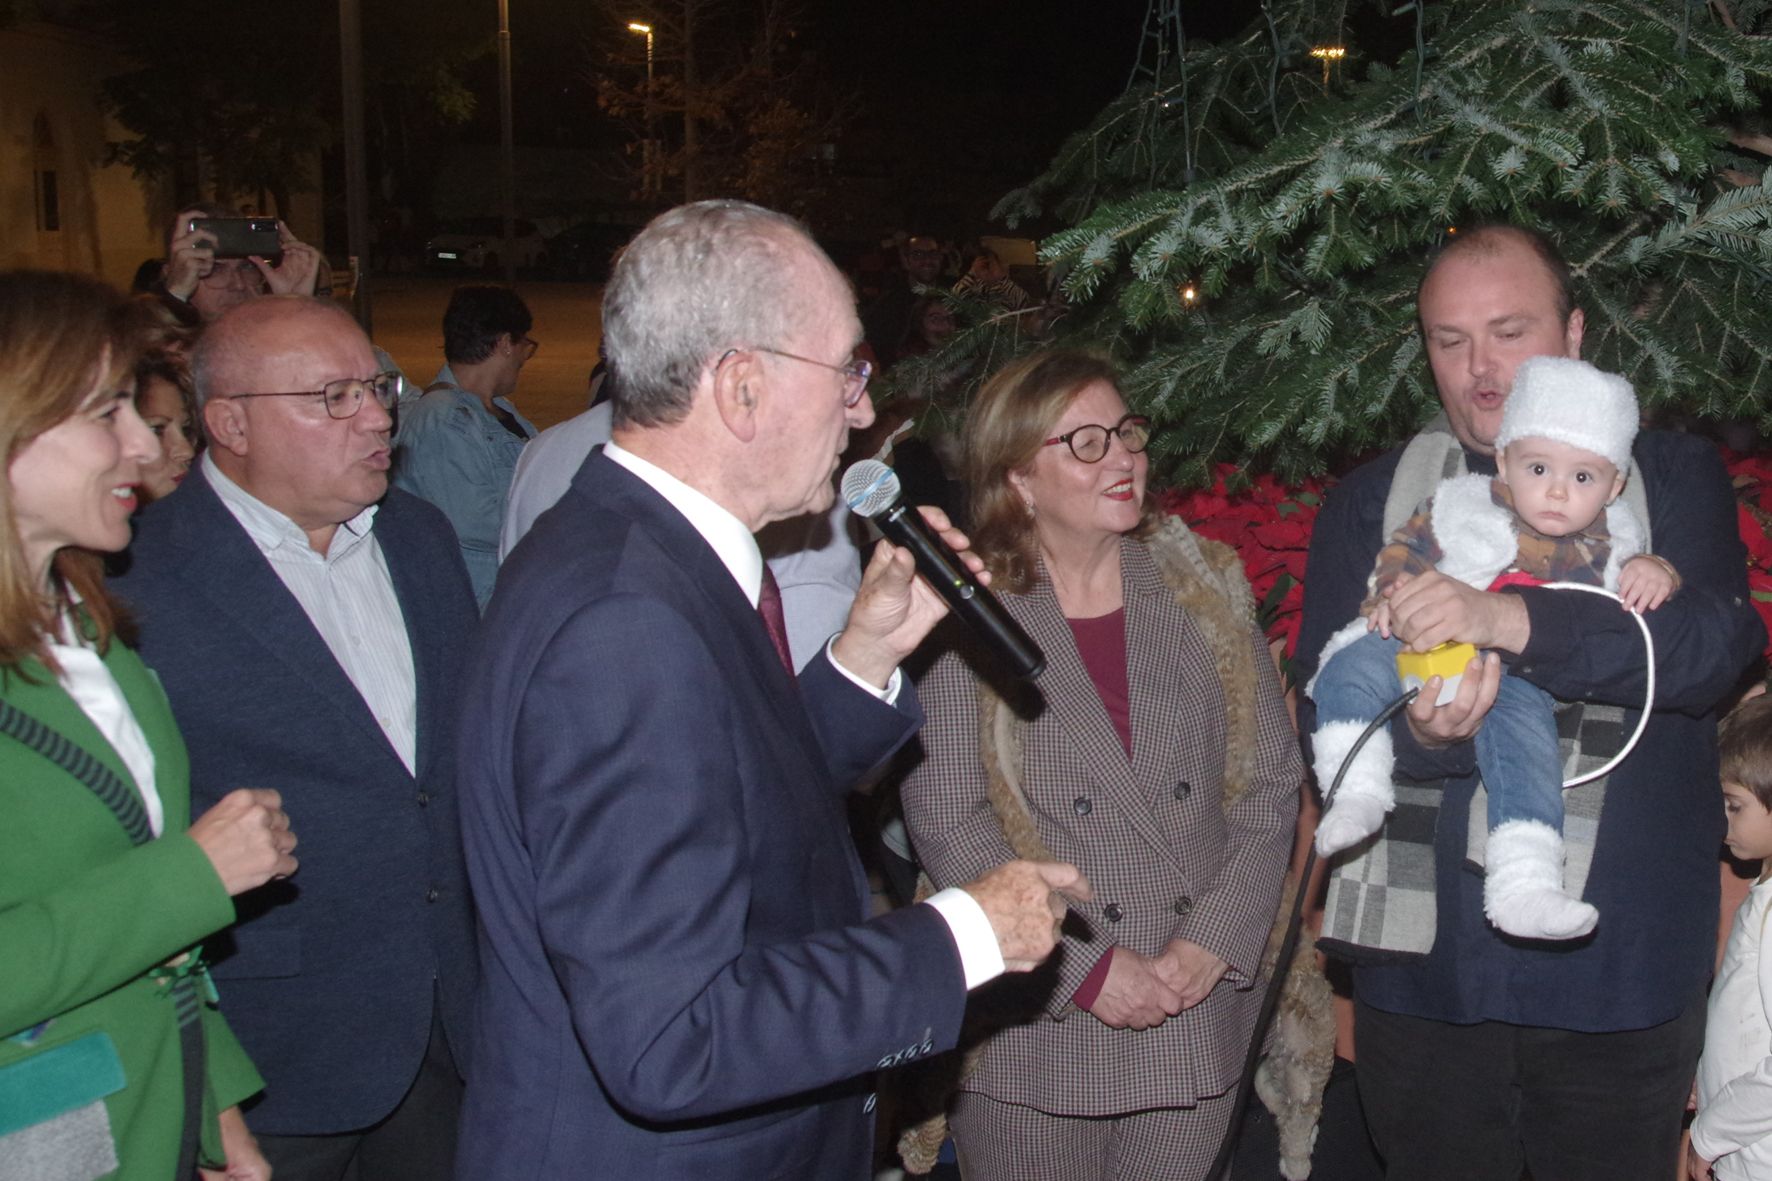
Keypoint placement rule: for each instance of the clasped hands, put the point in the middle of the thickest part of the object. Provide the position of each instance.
(1142, 992)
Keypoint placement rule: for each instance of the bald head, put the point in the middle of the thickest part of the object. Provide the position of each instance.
(234, 350)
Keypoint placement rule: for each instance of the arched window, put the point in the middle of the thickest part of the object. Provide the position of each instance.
(45, 177)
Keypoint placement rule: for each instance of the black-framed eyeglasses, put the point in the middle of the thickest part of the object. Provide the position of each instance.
(344, 397)
(529, 345)
(1089, 442)
(855, 374)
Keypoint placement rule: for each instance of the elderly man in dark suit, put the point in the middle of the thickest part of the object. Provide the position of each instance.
(682, 981)
(307, 624)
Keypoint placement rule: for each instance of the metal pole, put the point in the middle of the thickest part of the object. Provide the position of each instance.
(651, 141)
(510, 165)
(649, 148)
(350, 41)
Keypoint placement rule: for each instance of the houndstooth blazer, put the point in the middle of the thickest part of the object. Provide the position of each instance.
(1165, 858)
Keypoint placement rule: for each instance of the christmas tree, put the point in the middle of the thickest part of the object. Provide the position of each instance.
(1249, 219)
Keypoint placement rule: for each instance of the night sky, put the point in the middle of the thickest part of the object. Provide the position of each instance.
(996, 83)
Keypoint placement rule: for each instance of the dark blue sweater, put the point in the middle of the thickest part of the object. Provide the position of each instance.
(1654, 875)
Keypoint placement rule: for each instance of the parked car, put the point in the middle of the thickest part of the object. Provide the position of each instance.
(477, 243)
(586, 251)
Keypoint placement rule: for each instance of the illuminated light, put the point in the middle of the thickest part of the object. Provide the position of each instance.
(1328, 55)
(640, 27)
(1188, 294)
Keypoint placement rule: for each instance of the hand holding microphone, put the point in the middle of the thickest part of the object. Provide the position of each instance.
(872, 490)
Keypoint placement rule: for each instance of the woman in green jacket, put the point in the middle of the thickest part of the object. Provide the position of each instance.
(114, 1060)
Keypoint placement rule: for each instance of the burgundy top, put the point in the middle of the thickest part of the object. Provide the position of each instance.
(1101, 642)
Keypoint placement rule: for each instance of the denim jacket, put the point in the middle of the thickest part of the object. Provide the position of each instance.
(451, 452)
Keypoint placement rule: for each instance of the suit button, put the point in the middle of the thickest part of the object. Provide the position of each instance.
(1083, 805)
(1183, 790)
(432, 894)
(424, 799)
(1112, 912)
(1184, 905)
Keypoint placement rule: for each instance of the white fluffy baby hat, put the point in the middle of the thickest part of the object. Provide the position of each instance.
(1571, 402)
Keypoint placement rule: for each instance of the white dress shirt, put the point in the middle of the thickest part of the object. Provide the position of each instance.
(980, 957)
(348, 595)
(85, 678)
(1734, 1122)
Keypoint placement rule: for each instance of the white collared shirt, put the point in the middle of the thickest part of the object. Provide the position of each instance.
(85, 678)
(348, 595)
(981, 959)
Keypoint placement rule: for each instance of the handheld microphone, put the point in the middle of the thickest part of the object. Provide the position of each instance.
(871, 489)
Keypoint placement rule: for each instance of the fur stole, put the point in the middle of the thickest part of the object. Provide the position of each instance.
(1209, 584)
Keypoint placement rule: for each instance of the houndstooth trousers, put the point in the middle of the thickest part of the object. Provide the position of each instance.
(1009, 1142)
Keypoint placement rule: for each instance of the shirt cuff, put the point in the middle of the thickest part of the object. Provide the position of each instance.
(981, 960)
(889, 694)
(1090, 990)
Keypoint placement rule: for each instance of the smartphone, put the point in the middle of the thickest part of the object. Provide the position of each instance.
(237, 237)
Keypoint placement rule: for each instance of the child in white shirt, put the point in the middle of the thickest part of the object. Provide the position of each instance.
(1732, 1134)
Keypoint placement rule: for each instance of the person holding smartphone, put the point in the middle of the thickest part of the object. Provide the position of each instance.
(211, 281)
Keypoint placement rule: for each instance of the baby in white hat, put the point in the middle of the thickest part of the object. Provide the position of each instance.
(1551, 514)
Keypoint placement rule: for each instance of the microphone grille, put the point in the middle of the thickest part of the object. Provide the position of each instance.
(870, 488)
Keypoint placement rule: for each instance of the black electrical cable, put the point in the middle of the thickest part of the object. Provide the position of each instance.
(1288, 946)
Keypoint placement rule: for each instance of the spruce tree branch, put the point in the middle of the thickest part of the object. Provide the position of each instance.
(1625, 234)
(1723, 14)
(1753, 141)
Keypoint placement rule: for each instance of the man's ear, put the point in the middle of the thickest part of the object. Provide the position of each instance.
(739, 387)
(1572, 333)
(224, 421)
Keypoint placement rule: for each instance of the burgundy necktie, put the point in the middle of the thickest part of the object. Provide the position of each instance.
(774, 621)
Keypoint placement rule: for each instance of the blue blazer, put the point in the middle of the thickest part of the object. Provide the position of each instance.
(681, 981)
(330, 975)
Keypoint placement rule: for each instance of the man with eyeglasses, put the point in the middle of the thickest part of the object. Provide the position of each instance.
(194, 275)
(889, 314)
(307, 623)
(687, 984)
(460, 442)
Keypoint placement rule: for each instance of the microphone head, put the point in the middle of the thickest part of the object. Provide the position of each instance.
(870, 488)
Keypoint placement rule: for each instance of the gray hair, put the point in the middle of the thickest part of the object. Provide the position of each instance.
(697, 281)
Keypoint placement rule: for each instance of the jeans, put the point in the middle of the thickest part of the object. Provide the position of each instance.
(1516, 746)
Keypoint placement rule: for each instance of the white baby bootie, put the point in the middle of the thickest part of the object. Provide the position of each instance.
(1523, 884)
(1365, 796)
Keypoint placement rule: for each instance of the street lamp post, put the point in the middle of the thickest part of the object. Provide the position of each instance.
(507, 142)
(649, 182)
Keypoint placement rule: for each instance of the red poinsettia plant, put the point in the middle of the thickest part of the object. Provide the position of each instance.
(1752, 477)
(1269, 525)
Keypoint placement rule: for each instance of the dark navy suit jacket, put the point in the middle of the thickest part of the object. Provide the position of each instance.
(680, 978)
(329, 977)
